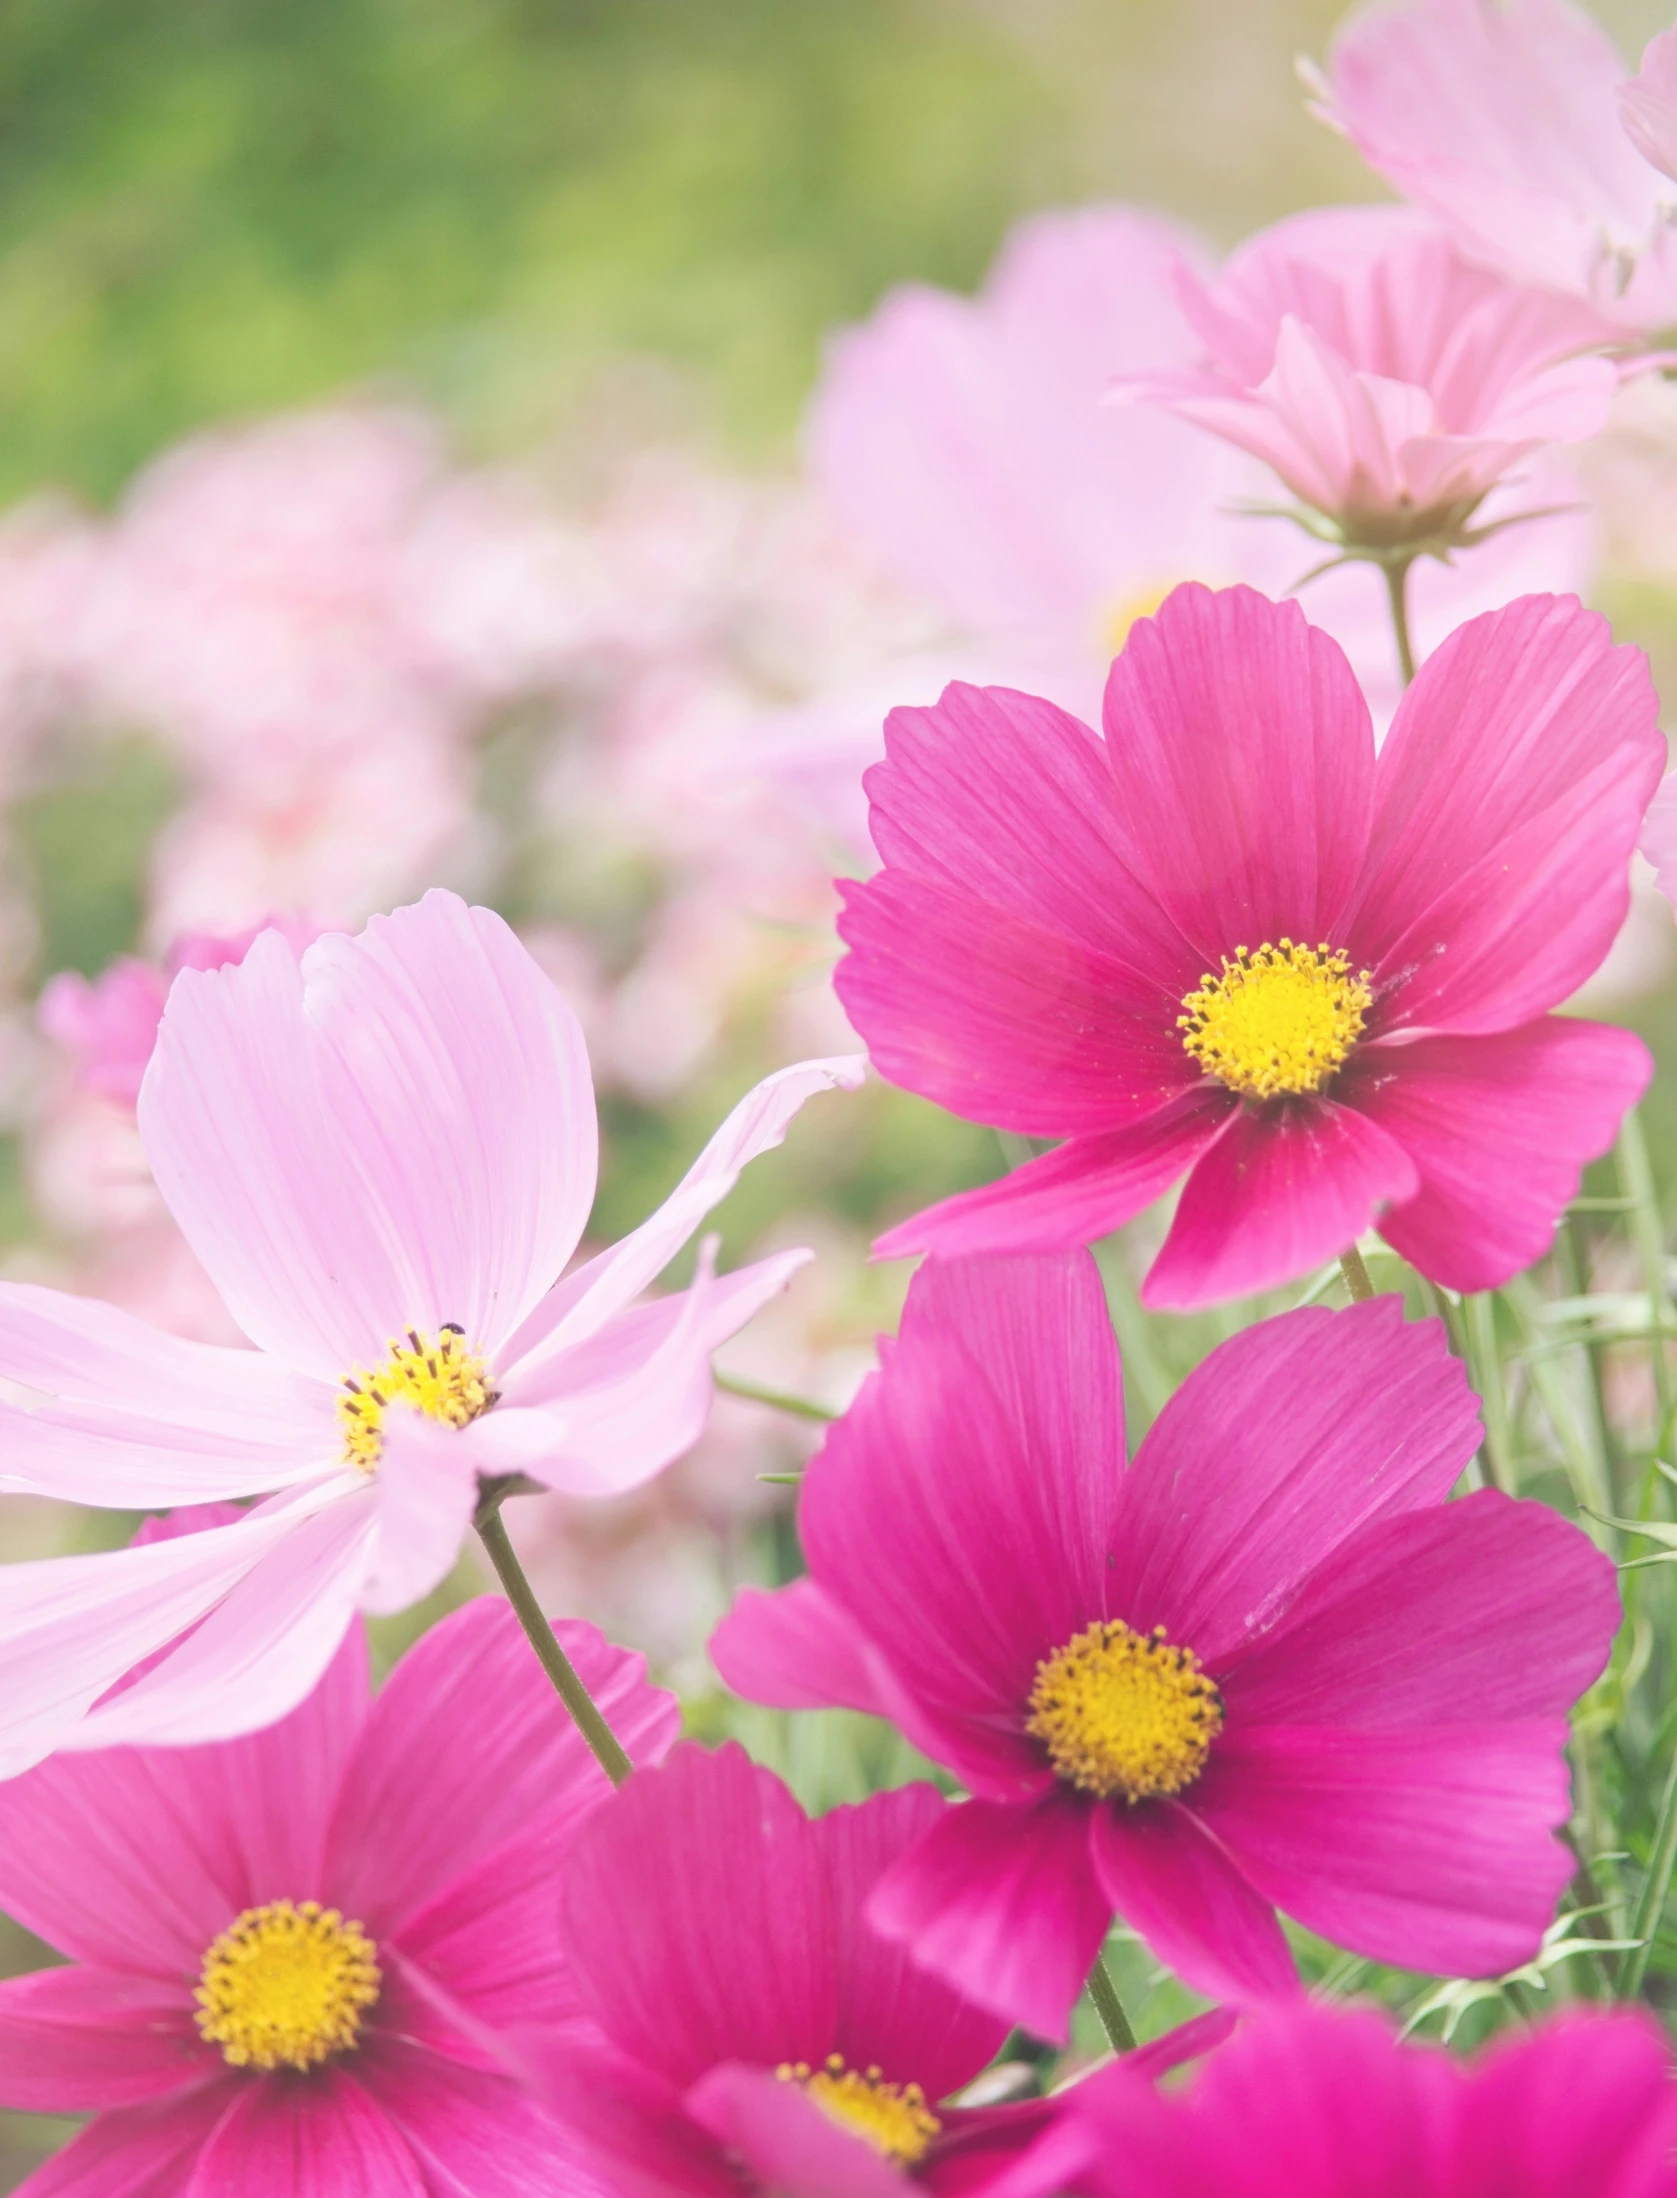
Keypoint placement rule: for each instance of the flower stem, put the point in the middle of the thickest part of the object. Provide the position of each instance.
(1636, 1180)
(1397, 594)
(803, 1408)
(558, 1666)
(1110, 2008)
(1356, 1275)
(1650, 1907)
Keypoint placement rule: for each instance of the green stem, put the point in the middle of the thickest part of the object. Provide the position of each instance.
(1397, 594)
(1650, 1907)
(1485, 1370)
(1636, 1177)
(782, 1400)
(558, 1666)
(1356, 1275)
(1110, 2008)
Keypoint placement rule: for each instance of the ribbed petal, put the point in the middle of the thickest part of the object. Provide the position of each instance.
(1173, 1881)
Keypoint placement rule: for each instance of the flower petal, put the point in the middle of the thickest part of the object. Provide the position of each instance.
(426, 1490)
(1171, 1879)
(1275, 1196)
(1004, 1903)
(137, 2152)
(469, 2131)
(1582, 2102)
(326, 2135)
(784, 2140)
(460, 1166)
(1500, 1128)
(75, 2040)
(797, 1649)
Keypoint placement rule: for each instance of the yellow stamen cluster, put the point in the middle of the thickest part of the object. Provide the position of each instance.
(1277, 1021)
(440, 1378)
(1122, 1712)
(893, 2118)
(287, 1986)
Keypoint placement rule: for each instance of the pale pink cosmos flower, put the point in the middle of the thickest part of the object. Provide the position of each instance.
(1389, 383)
(297, 1960)
(383, 1153)
(1512, 122)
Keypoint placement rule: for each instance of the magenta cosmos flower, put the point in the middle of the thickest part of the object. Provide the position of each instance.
(1512, 121)
(1390, 384)
(1265, 1666)
(1229, 942)
(383, 1153)
(296, 1957)
(757, 2034)
(1318, 2103)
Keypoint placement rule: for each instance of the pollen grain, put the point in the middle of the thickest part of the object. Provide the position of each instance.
(287, 1986)
(1276, 1022)
(1124, 1713)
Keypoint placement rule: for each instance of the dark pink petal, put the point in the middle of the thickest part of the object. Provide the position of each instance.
(1583, 2105)
(470, 1694)
(1002, 1018)
(75, 2040)
(1500, 1129)
(1002, 1902)
(139, 2151)
(992, 1441)
(1280, 1192)
(1516, 773)
(490, 1941)
(1480, 1610)
(979, 2145)
(135, 1858)
(1171, 1879)
(470, 2133)
(785, 2140)
(279, 2139)
(1072, 1196)
(1273, 1453)
(797, 1649)
(634, 2124)
(698, 1922)
(1243, 759)
(1432, 1849)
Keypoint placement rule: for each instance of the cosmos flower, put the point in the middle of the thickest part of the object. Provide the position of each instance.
(1228, 942)
(1325, 2103)
(293, 1957)
(1265, 1666)
(383, 1154)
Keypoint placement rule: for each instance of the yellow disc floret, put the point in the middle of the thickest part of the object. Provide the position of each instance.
(893, 2118)
(1278, 1021)
(287, 1986)
(1122, 1712)
(440, 1378)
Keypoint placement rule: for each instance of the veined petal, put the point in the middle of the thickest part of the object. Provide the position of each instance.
(1174, 1881)
(138, 2151)
(76, 2040)
(426, 1487)
(323, 2135)
(784, 2139)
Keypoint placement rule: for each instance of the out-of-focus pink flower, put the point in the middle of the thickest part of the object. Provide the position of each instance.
(1390, 384)
(1511, 121)
(294, 1958)
(1229, 942)
(1266, 1666)
(1318, 2102)
(384, 1155)
(1648, 104)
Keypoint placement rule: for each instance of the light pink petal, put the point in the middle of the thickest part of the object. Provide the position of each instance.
(75, 2040)
(1582, 2104)
(1500, 1129)
(1509, 795)
(1479, 1610)
(1659, 835)
(426, 1491)
(1243, 759)
(1648, 104)
(170, 1844)
(783, 2139)
(1277, 1195)
(325, 2135)
(1275, 1451)
(993, 1441)
(136, 2152)
(471, 2134)
(120, 1463)
(1173, 1881)
(797, 1649)
(460, 1164)
(1431, 1849)
(610, 1283)
(1003, 1902)
(471, 1693)
(1072, 1196)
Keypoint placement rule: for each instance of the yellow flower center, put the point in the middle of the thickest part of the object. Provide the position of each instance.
(287, 1986)
(1122, 1712)
(442, 1379)
(1277, 1021)
(893, 2118)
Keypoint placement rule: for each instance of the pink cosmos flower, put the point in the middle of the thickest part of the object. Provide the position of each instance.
(1324, 2103)
(1511, 122)
(294, 1958)
(1230, 941)
(1390, 384)
(1265, 1666)
(383, 1154)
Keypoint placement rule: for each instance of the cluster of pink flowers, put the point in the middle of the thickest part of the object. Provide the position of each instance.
(1294, 928)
